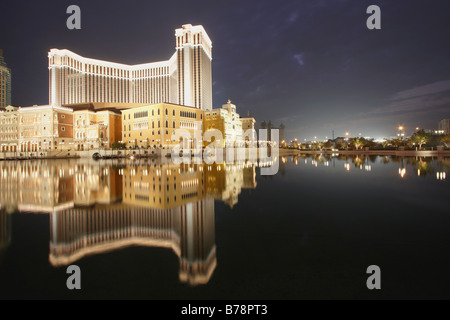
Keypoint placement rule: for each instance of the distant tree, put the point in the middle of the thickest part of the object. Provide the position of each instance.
(396, 142)
(358, 143)
(446, 140)
(317, 145)
(421, 138)
(328, 144)
(320, 145)
(370, 143)
(342, 145)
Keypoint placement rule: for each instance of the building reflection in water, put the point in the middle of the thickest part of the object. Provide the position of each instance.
(5, 229)
(96, 207)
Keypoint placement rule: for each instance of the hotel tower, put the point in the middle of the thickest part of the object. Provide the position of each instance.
(183, 79)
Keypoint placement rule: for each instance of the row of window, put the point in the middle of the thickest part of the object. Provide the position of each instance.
(142, 114)
(144, 125)
(153, 133)
(110, 71)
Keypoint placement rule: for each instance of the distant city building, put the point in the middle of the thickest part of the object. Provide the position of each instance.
(434, 132)
(269, 127)
(5, 82)
(444, 125)
(184, 79)
(228, 122)
(157, 125)
(95, 129)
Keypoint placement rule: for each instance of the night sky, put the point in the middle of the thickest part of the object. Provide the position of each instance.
(312, 65)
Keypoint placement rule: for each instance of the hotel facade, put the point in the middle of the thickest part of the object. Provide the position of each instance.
(184, 79)
(157, 125)
(36, 129)
(9, 134)
(94, 104)
(45, 128)
(96, 129)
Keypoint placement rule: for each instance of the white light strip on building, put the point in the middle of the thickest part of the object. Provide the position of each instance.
(108, 64)
(24, 109)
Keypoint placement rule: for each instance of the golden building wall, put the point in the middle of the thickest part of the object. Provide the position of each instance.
(163, 186)
(155, 125)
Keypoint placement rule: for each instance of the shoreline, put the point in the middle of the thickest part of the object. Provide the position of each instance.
(124, 154)
(403, 153)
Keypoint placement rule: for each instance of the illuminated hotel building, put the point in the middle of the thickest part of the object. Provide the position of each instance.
(9, 120)
(45, 128)
(228, 122)
(5, 83)
(96, 128)
(183, 79)
(157, 125)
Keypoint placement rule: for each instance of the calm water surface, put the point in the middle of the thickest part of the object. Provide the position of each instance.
(162, 231)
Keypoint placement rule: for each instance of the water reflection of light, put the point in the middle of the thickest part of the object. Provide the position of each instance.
(441, 175)
(368, 167)
(418, 172)
(306, 161)
(402, 172)
(326, 164)
(347, 166)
